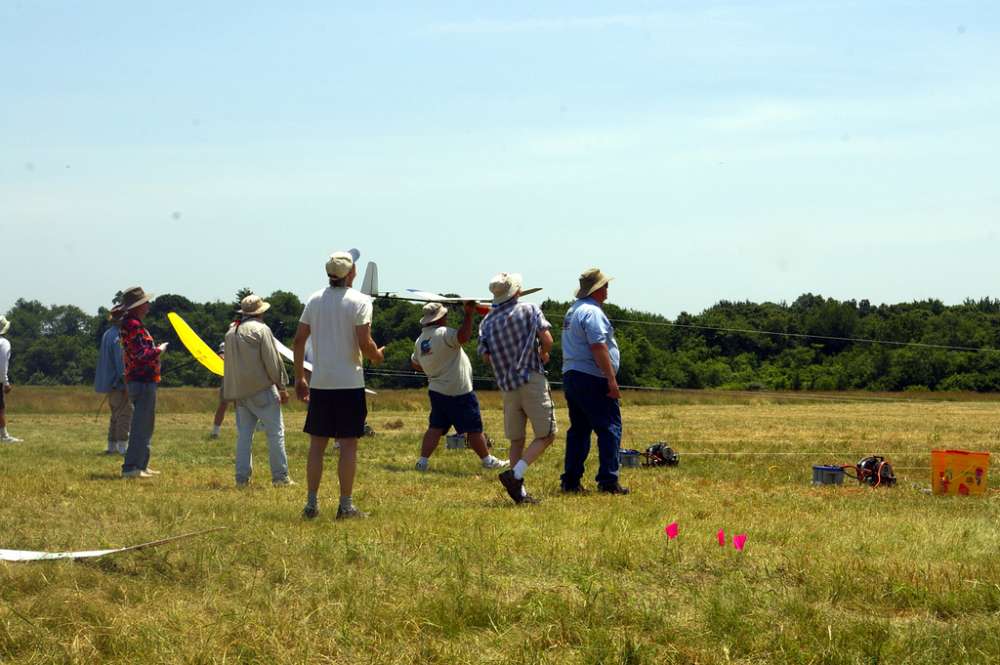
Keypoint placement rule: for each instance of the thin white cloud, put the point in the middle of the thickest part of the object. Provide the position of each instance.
(481, 26)
(759, 116)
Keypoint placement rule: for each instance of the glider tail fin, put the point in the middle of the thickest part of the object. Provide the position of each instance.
(369, 285)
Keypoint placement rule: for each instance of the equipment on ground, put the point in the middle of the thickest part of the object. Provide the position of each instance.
(873, 471)
(660, 455)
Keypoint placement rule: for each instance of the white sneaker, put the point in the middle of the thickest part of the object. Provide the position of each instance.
(421, 466)
(10, 439)
(136, 473)
(151, 472)
(283, 482)
(490, 462)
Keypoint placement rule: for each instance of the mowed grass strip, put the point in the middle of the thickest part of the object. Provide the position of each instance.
(448, 570)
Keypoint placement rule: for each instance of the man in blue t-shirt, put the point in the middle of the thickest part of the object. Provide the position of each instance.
(590, 363)
(109, 379)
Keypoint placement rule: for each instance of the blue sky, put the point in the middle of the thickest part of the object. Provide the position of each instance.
(695, 151)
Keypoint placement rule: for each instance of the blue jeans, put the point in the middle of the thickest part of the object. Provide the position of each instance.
(265, 406)
(591, 410)
(143, 398)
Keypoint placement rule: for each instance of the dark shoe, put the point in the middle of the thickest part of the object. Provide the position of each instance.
(512, 485)
(574, 489)
(613, 489)
(310, 512)
(351, 513)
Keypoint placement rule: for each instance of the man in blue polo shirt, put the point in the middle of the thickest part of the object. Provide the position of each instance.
(590, 363)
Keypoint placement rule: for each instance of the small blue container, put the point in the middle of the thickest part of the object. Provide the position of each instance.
(828, 475)
(628, 458)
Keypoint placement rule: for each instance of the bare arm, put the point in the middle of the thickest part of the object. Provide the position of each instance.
(417, 367)
(367, 345)
(603, 359)
(465, 331)
(299, 355)
(545, 337)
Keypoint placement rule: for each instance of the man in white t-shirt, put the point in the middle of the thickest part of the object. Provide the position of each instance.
(4, 362)
(438, 353)
(338, 319)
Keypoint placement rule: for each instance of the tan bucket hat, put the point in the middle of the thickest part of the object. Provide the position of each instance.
(4, 325)
(590, 281)
(432, 311)
(253, 305)
(504, 286)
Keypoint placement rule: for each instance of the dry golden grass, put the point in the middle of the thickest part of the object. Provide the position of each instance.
(449, 571)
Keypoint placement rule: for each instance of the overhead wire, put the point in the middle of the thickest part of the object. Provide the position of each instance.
(758, 393)
(789, 334)
(804, 396)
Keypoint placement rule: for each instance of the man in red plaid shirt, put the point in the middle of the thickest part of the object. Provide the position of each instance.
(142, 377)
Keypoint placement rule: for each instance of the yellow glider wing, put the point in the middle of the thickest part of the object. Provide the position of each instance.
(201, 351)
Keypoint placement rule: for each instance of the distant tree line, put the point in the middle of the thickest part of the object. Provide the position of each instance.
(815, 343)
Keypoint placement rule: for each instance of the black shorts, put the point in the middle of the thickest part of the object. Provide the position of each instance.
(2, 405)
(336, 414)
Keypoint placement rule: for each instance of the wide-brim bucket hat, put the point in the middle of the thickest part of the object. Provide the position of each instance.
(590, 281)
(504, 287)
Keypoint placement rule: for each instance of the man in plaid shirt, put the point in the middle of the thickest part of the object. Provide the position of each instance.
(514, 339)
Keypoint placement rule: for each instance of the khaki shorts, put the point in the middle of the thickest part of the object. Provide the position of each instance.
(532, 401)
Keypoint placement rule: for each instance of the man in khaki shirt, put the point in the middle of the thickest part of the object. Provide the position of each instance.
(256, 380)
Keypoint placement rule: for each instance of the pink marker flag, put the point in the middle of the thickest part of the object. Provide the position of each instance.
(671, 530)
(738, 541)
(722, 537)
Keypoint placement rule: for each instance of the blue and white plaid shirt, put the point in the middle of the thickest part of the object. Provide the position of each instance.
(508, 334)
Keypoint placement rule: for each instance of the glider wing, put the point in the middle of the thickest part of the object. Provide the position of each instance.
(289, 355)
(201, 351)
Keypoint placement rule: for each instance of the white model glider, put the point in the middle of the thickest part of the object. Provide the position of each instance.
(369, 286)
(27, 555)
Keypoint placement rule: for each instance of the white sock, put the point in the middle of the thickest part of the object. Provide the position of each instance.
(519, 470)
(112, 446)
(122, 447)
(423, 461)
(486, 460)
(3, 432)
(215, 430)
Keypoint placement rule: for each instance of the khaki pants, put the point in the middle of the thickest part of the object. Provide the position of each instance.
(121, 415)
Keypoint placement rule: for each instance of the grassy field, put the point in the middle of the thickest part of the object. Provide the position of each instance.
(448, 570)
